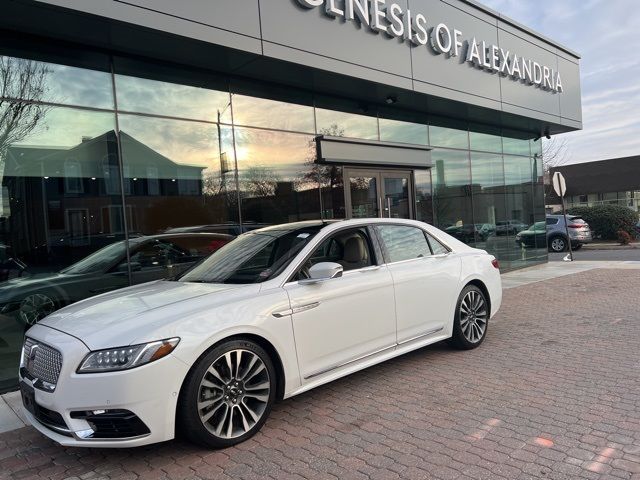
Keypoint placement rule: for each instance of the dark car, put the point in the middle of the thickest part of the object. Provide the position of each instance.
(31, 298)
(466, 233)
(533, 237)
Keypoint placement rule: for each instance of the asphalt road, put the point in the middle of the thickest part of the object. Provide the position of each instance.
(604, 255)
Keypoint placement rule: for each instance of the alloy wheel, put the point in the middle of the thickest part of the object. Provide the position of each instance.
(473, 316)
(557, 245)
(35, 307)
(233, 394)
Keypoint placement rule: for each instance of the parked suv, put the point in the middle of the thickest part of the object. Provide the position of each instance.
(579, 232)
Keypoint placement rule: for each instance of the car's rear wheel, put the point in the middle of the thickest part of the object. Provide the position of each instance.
(471, 319)
(557, 244)
(228, 394)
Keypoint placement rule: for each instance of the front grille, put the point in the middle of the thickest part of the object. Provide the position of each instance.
(41, 361)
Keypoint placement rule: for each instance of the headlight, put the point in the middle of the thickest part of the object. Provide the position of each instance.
(124, 358)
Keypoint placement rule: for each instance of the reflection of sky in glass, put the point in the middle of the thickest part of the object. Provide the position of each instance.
(448, 137)
(485, 142)
(348, 124)
(517, 170)
(451, 168)
(404, 132)
(259, 112)
(187, 143)
(171, 99)
(68, 85)
(64, 127)
(287, 155)
(487, 170)
(515, 146)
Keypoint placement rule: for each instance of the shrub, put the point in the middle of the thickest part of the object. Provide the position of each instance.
(606, 220)
(623, 237)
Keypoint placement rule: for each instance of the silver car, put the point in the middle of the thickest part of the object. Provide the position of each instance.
(579, 232)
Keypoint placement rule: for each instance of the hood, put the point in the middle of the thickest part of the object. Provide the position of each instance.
(117, 318)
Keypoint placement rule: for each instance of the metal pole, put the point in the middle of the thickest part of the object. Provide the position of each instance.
(566, 227)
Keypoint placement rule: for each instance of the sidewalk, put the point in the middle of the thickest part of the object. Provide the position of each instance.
(551, 270)
(610, 246)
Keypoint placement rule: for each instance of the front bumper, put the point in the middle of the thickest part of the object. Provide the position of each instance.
(149, 393)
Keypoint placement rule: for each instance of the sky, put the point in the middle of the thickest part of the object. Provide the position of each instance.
(605, 34)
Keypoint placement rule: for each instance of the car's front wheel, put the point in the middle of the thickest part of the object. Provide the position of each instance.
(471, 319)
(227, 395)
(557, 244)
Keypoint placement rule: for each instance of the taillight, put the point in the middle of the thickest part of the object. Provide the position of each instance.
(573, 225)
(495, 263)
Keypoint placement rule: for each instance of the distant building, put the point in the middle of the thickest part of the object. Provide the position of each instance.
(615, 181)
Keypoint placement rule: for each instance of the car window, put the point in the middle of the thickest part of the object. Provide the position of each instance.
(436, 247)
(253, 257)
(350, 248)
(577, 220)
(403, 242)
(552, 221)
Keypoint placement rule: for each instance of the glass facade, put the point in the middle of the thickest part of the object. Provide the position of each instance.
(131, 173)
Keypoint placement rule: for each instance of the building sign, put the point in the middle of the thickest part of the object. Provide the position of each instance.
(391, 19)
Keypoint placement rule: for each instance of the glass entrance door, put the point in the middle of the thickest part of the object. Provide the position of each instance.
(378, 193)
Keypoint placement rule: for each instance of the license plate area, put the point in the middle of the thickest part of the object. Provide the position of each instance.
(28, 397)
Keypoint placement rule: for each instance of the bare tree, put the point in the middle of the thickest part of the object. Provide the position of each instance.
(554, 152)
(259, 181)
(22, 83)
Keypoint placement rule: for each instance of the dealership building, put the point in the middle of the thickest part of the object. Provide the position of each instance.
(122, 122)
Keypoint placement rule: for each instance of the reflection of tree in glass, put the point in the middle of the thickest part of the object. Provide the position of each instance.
(25, 81)
(259, 181)
(327, 175)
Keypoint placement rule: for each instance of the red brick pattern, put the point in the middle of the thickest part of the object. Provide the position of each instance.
(554, 393)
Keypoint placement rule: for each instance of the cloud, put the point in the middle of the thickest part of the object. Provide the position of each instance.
(604, 33)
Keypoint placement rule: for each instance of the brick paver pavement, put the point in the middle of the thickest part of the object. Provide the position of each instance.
(553, 393)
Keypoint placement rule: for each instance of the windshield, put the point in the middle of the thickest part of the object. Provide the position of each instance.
(99, 260)
(252, 257)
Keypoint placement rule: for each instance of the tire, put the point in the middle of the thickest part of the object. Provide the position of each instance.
(471, 319)
(557, 244)
(227, 395)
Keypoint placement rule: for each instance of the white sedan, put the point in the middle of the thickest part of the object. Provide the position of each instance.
(274, 313)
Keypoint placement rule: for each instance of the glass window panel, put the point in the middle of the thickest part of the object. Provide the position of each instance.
(485, 142)
(451, 176)
(515, 146)
(489, 206)
(341, 124)
(56, 211)
(404, 132)
(278, 177)
(192, 186)
(520, 177)
(260, 112)
(142, 95)
(448, 137)
(49, 82)
(424, 198)
(404, 243)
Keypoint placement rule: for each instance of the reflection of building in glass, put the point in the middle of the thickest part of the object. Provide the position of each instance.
(64, 202)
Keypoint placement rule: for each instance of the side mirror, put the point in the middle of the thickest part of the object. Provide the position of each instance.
(323, 271)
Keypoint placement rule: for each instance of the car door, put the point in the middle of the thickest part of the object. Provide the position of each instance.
(347, 318)
(425, 283)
